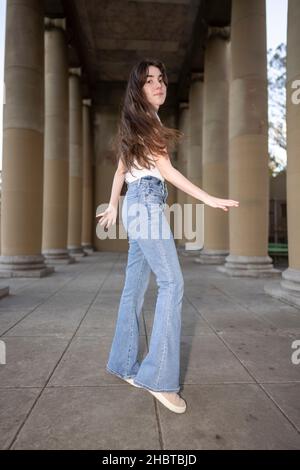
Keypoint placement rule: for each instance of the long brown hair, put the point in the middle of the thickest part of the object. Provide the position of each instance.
(140, 132)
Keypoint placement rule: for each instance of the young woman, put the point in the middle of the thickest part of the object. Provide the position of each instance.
(143, 162)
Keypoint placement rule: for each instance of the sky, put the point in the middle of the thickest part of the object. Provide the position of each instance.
(276, 22)
(276, 34)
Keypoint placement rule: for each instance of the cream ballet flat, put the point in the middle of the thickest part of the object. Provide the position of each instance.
(167, 403)
(130, 381)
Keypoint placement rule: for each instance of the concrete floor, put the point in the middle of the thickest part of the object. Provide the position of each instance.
(241, 387)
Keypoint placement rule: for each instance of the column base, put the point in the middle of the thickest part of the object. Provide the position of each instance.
(179, 247)
(288, 289)
(4, 291)
(190, 252)
(88, 248)
(211, 256)
(249, 266)
(57, 256)
(192, 246)
(24, 266)
(77, 252)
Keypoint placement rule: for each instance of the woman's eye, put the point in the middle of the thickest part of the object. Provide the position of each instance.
(150, 81)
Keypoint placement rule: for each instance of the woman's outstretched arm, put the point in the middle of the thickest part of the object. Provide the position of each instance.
(176, 178)
(109, 216)
(117, 185)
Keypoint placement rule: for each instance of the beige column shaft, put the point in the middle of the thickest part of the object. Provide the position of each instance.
(75, 164)
(182, 157)
(248, 144)
(56, 163)
(168, 117)
(289, 287)
(87, 196)
(22, 173)
(194, 158)
(215, 145)
(4, 290)
(105, 128)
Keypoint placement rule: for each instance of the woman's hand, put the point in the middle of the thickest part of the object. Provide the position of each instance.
(108, 217)
(221, 203)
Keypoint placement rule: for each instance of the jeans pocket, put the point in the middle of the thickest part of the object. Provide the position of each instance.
(132, 194)
(154, 198)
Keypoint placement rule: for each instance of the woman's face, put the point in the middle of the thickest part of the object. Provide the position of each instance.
(155, 88)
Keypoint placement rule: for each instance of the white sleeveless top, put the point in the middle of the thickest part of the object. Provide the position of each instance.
(136, 174)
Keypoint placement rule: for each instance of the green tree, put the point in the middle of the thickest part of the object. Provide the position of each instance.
(277, 108)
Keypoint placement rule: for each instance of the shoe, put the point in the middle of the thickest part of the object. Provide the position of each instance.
(131, 382)
(167, 403)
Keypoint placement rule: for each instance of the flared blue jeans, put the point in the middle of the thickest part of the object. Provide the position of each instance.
(151, 248)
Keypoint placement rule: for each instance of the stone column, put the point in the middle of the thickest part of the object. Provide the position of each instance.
(87, 196)
(105, 128)
(56, 164)
(182, 156)
(168, 117)
(4, 290)
(194, 158)
(75, 164)
(289, 287)
(248, 144)
(215, 145)
(22, 172)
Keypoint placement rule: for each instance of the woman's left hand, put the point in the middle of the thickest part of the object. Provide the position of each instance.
(108, 217)
(220, 203)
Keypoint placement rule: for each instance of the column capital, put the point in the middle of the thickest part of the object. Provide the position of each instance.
(219, 32)
(75, 71)
(183, 104)
(87, 102)
(55, 23)
(197, 76)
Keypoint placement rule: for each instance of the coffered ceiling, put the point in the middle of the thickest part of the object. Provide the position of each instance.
(107, 37)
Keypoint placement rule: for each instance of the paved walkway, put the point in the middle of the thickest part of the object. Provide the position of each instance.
(241, 387)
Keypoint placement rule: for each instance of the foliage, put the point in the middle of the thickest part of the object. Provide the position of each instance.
(277, 108)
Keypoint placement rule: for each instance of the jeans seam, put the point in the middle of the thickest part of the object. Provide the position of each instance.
(134, 309)
(168, 315)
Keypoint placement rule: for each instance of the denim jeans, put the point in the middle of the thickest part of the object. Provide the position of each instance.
(143, 214)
